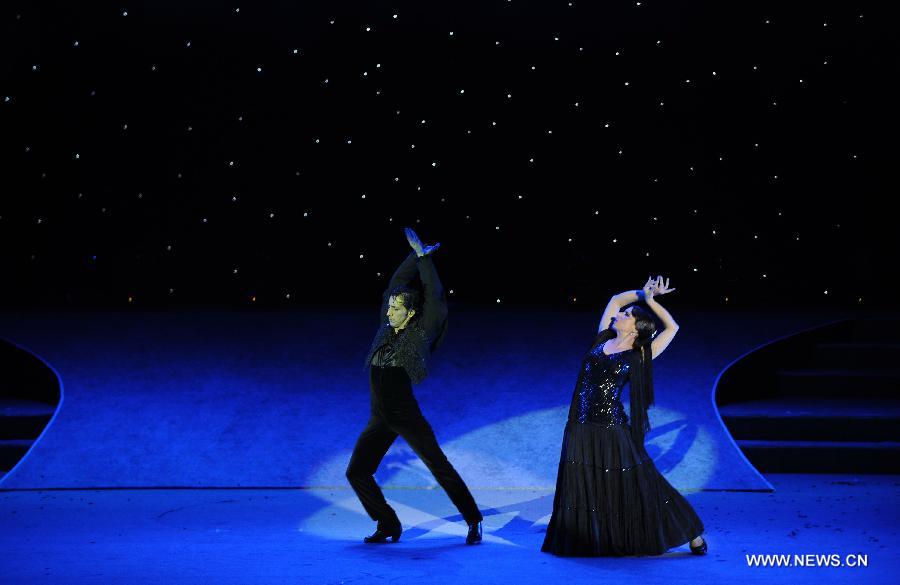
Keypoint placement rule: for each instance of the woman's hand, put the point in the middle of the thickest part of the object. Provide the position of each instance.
(416, 243)
(656, 286)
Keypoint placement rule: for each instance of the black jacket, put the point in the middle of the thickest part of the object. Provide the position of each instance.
(425, 332)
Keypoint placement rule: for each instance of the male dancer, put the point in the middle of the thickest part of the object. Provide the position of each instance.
(412, 326)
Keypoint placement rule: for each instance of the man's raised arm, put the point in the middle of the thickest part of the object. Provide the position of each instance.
(434, 300)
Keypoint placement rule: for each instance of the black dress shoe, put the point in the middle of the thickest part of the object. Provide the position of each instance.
(699, 550)
(474, 536)
(381, 535)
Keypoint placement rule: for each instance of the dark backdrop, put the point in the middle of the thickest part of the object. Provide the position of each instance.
(199, 153)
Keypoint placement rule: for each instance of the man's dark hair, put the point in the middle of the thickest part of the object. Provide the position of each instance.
(410, 297)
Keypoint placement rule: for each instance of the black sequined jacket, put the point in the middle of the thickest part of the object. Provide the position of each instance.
(425, 332)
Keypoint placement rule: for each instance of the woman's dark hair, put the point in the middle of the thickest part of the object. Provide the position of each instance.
(410, 297)
(640, 370)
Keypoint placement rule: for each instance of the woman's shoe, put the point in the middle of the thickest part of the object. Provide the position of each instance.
(699, 550)
(381, 535)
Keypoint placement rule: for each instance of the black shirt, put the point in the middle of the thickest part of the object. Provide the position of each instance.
(413, 346)
(384, 356)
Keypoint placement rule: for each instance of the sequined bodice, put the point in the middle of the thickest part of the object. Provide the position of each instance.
(597, 397)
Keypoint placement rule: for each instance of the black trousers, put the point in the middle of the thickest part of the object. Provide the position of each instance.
(396, 412)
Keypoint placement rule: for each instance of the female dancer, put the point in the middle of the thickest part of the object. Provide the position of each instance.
(610, 498)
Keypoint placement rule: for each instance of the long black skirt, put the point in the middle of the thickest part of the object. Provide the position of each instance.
(612, 501)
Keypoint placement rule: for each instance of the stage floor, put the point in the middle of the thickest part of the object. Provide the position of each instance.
(211, 398)
(314, 536)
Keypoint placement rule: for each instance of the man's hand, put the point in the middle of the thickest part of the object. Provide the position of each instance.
(416, 243)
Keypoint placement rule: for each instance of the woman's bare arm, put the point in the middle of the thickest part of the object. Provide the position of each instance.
(670, 327)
